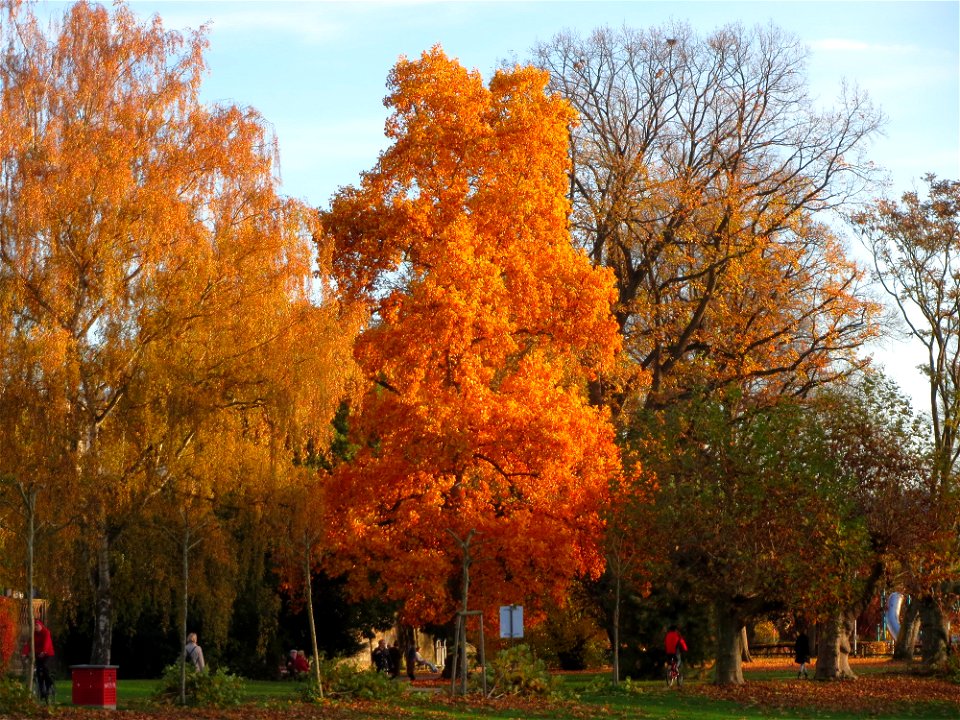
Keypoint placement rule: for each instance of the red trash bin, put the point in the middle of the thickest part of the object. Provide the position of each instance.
(95, 685)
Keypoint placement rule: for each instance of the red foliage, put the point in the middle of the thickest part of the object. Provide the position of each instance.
(8, 630)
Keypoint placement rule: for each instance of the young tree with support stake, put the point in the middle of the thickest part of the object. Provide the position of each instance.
(301, 524)
(36, 476)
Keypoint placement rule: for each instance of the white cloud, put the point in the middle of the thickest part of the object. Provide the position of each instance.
(311, 27)
(308, 23)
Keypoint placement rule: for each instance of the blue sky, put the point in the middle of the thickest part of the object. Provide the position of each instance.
(317, 71)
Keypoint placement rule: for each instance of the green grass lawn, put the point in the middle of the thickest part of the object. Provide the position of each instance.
(657, 702)
(139, 693)
(590, 699)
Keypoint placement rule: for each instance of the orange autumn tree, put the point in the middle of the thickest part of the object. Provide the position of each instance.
(485, 327)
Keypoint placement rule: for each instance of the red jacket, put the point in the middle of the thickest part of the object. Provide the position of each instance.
(300, 664)
(42, 640)
(672, 641)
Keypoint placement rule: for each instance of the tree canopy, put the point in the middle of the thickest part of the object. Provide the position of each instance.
(701, 167)
(146, 260)
(485, 325)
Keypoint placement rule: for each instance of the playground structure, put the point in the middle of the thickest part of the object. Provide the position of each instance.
(892, 616)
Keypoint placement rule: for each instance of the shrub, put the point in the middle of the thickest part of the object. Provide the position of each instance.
(765, 633)
(15, 699)
(342, 680)
(953, 667)
(604, 685)
(203, 689)
(570, 636)
(517, 672)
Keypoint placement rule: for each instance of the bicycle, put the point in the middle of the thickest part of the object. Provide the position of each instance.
(46, 692)
(673, 673)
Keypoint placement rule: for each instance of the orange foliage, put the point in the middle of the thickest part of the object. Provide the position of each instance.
(485, 326)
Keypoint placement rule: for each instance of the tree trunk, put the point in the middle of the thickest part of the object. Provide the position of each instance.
(462, 639)
(744, 646)
(933, 639)
(103, 601)
(616, 632)
(838, 634)
(183, 617)
(461, 636)
(833, 648)
(729, 651)
(308, 590)
(909, 632)
(30, 507)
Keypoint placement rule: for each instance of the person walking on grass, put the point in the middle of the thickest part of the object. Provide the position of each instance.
(801, 654)
(193, 653)
(43, 646)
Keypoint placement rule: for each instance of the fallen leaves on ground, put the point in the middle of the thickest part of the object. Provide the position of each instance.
(532, 707)
(866, 695)
(439, 708)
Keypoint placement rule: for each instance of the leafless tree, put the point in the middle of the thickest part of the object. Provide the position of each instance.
(689, 153)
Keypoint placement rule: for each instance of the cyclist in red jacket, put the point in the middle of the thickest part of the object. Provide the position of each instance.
(43, 646)
(674, 643)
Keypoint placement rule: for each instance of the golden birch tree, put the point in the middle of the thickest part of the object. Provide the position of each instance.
(143, 235)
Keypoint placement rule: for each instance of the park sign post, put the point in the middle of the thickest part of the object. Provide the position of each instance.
(511, 621)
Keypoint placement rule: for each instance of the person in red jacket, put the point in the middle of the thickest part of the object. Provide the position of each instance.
(301, 665)
(43, 646)
(674, 644)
